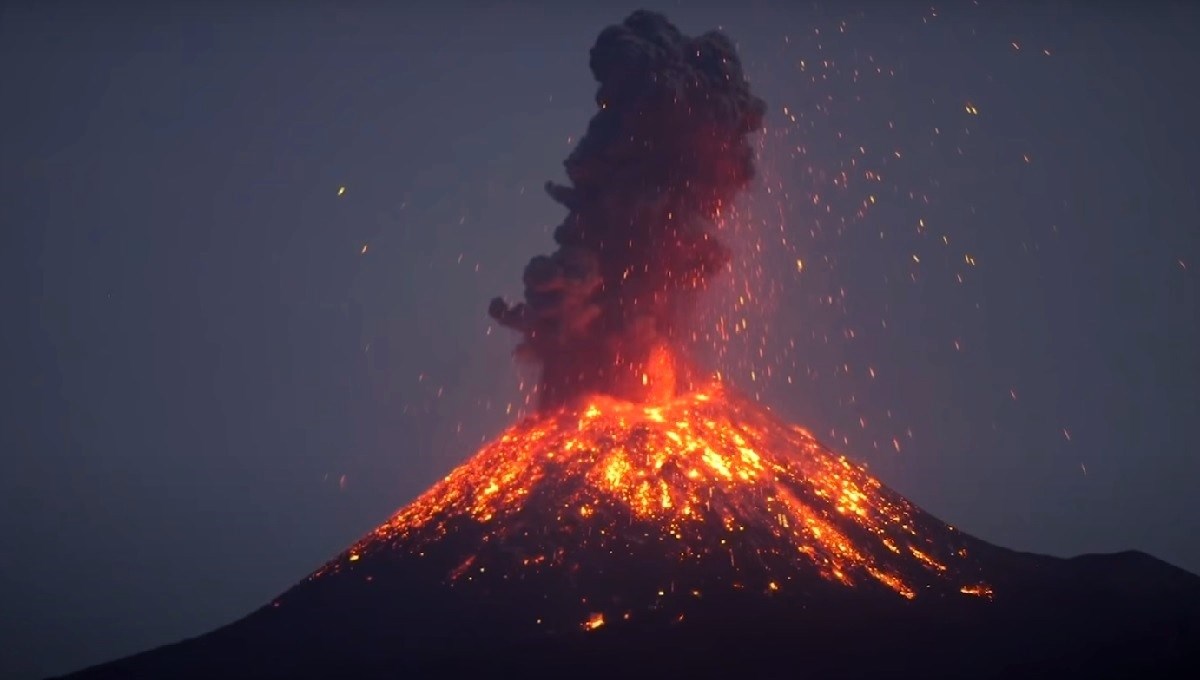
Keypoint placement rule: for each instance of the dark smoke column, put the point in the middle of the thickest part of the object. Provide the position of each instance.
(665, 153)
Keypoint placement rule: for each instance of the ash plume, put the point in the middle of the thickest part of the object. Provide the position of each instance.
(663, 156)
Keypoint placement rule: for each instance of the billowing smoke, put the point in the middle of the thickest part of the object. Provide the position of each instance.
(662, 158)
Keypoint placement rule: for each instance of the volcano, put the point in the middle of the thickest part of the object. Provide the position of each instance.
(697, 537)
(649, 521)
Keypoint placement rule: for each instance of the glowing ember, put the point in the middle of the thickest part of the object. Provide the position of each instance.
(594, 621)
(978, 590)
(713, 480)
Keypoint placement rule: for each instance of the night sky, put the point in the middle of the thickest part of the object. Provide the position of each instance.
(219, 370)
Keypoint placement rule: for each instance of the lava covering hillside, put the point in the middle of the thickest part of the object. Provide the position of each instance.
(702, 492)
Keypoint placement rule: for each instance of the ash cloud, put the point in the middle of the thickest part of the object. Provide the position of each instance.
(665, 153)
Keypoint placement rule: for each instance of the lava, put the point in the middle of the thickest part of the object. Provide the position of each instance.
(713, 479)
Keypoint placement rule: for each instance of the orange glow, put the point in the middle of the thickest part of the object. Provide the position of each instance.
(659, 376)
(594, 621)
(977, 590)
(716, 478)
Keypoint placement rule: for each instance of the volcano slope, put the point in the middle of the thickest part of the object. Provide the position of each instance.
(701, 537)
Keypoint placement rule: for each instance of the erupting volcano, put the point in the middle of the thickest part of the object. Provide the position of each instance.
(647, 519)
(705, 490)
(704, 485)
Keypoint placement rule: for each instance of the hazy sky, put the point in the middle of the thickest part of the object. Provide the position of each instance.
(209, 388)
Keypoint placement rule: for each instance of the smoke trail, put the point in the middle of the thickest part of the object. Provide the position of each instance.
(667, 150)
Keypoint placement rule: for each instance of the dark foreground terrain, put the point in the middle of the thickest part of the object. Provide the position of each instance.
(1119, 615)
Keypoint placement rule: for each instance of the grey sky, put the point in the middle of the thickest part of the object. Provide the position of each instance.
(210, 388)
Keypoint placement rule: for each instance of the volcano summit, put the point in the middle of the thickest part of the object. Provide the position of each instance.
(647, 521)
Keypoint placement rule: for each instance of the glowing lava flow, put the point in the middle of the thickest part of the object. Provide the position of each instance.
(714, 481)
